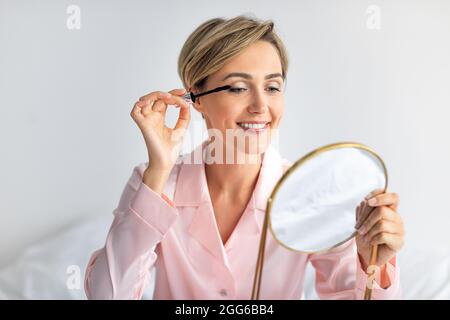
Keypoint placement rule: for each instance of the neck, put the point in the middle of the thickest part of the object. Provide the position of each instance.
(234, 179)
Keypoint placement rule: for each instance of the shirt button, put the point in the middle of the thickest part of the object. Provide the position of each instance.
(223, 292)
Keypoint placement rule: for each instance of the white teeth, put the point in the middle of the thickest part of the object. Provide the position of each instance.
(252, 125)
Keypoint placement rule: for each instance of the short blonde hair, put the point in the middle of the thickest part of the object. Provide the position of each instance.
(217, 41)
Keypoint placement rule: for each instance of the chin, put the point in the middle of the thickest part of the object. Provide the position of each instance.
(255, 145)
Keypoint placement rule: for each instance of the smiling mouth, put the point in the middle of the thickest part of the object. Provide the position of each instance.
(256, 127)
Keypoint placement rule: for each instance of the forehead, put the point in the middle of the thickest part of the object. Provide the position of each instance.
(259, 59)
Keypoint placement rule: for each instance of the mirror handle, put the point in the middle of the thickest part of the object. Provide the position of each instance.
(371, 270)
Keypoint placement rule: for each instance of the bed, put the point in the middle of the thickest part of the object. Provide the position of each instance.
(54, 268)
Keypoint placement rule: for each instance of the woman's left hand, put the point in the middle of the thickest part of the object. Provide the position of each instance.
(382, 226)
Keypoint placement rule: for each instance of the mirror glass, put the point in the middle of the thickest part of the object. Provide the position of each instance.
(313, 207)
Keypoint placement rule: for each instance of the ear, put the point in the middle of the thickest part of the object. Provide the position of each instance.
(197, 104)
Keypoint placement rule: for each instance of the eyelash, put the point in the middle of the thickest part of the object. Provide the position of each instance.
(238, 90)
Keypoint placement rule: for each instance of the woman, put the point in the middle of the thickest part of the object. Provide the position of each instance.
(199, 222)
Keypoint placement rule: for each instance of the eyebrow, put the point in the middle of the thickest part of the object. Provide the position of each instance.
(248, 76)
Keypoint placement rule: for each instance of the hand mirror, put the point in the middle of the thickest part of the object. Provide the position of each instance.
(312, 208)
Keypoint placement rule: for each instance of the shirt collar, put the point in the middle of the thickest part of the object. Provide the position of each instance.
(192, 190)
(192, 187)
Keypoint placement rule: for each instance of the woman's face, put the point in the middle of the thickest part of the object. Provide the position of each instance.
(252, 108)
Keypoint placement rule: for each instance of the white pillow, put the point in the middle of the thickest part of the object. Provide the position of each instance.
(44, 268)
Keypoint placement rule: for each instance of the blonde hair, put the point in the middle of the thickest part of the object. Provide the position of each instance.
(217, 41)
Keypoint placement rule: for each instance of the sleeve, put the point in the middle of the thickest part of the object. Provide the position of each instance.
(339, 275)
(121, 269)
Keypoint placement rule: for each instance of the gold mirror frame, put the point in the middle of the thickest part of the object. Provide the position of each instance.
(260, 260)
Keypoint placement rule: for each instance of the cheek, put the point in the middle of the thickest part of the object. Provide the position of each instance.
(214, 110)
(225, 114)
(277, 111)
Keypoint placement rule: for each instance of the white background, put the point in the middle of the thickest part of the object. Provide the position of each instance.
(68, 143)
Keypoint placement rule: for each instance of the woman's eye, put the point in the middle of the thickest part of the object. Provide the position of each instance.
(274, 89)
(237, 90)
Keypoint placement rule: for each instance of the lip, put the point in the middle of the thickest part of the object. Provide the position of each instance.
(254, 130)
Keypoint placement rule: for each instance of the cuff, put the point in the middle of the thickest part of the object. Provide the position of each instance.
(158, 211)
(378, 293)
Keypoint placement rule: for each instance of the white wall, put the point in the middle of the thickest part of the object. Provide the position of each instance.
(68, 144)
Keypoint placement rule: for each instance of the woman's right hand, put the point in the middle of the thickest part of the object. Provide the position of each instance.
(163, 143)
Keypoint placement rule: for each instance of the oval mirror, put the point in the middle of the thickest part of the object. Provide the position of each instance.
(312, 208)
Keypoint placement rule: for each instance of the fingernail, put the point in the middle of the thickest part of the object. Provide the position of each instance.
(372, 201)
(368, 196)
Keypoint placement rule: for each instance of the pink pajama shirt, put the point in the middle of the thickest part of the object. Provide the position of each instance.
(177, 234)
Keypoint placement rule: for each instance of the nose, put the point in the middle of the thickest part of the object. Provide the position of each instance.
(258, 103)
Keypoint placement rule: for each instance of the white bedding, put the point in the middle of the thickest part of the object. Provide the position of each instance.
(49, 269)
